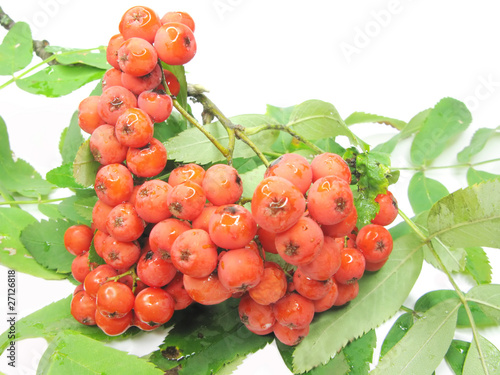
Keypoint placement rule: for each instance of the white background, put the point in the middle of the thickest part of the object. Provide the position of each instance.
(389, 57)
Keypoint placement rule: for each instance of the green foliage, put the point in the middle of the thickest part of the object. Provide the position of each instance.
(455, 357)
(362, 117)
(423, 192)
(16, 50)
(95, 57)
(397, 332)
(84, 166)
(477, 143)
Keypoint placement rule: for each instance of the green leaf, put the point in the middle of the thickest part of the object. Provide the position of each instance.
(478, 265)
(423, 192)
(315, 119)
(434, 297)
(50, 320)
(447, 119)
(468, 217)
(425, 344)
(415, 124)
(84, 166)
(73, 353)
(45, 242)
(204, 338)
(191, 146)
(397, 332)
(50, 210)
(477, 143)
(62, 177)
(59, 80)
(488, 297)
(381, 294)
(280, 114)
(455, 357)
(71, 139)
(362, 117)
(93, 256)
(251, 179)
(489, 355)
(16, 50)
(95, 57)
(13, 254)
(180, 74)
(454, 259)
(169, 128)
(476, 177)
(78, 208)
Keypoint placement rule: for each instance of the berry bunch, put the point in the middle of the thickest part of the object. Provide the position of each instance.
(168, 244)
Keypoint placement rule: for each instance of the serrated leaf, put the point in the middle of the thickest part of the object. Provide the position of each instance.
(435, 297)
(280, 114)
(478, 265)
(84, 166)
(71, 139)
(315, 119)
(45, 242)
(62, 177)
(17, 175)
(422, 349)
(447, 119)
(204, 338)
(78, 208)
(48, 321)
(455, 356)
(400, 328)
(16, 50)
(59, 80)
(479, 357)
(73, 353)
(454, 259)
(95, 57)
(381, 294)
(477, 143)
(363, 117)
(476, 177)
(423, 192)
(191, 146)
(13, 254)
(468, 217)
(169, 128)
(488, 298)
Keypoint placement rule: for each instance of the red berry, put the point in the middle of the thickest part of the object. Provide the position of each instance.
(181, 17)
(114, 184)
(293, 167)
(290, 336)
(113, 326)
(192, 172)
(88, 114)
(154, 269)
(120, 255)
(375, 242)
(124, 224)
(154, 306)
(83, 308)
(77, 239)
(105, 147)
(388, 209)
(112, 50)
(222, 184)
(232, 226)
(330, 164)
(175, 43)
(176, 289)
(115, 299)
(294, 311)
(186, 201)
(272, 285)
(206, 290)
(255, 316)
(113, 102)
(141, 22)
(352, 266)
(164, 234)
(157, 105)
(147, 161)
(134, 128)
(240, 269)
(151, 201)
(97, 277)
(310, 288)
(326, 263)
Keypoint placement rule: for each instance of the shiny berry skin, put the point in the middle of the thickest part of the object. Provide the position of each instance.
(272, 285)
(164, 233)
(114, 44)
(388, 209)
(194, 254)
(222, 184)
(255, 316)
(186, 201)
(326, 263)
(99, 238)
(232, 226)
(182, 173)
(346, 293)
(147, 161)
(80, 266)
(113, 102)
(100, 213)
(267, 240)
(310, 288)
(375, 242)
(115, 299)
(175, 43)
(113, 326)
(112, 77)
(330, 164)
(120, 255)
(181, 17)
(97, 277)
(83, 308)
(202, 220)
(140, 84)
(154, 269)
(240, 269)
(124, 224)
(176, 289)
(277, 204)
(114, 184)
(330, 200)
(294, 311)
(290, 336)
(301, 243)
(373, 267)
(342, 228)
(77, 238)
(134, 128)
(141, 22)
(172, 83)
(352, 266)
(293, 167)
(136, 322)
(206, 290)
(88, 115)
(151, 201)
(105, 147)
(156, 104)
(154, 306)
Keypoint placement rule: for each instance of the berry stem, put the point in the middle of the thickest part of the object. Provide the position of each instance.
(35, 201)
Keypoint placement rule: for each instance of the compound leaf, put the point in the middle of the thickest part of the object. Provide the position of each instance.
(423, 192)
(478, 265)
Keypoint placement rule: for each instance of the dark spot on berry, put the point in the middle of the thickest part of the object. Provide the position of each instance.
(185, 254)
(145, 147)
(187, 41)
(244, 318)
(86, 320)
(238, 179)
(114, 255)
(116, 103)
(340, 204)
(171, 352)
(394, 203)
(291, 249)
(380, 246)
(128, 129)
(175, 208)
(277, 205)
(230, 209)
(149, 255)
(119, 222)
(101, 186)
(144, 192)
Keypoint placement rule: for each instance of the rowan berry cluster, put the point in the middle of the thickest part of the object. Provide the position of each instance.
(167, 244)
